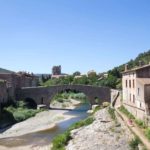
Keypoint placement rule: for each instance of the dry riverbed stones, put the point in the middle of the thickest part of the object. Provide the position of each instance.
(102, 134)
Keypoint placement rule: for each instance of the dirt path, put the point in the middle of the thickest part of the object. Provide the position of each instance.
(136, 130)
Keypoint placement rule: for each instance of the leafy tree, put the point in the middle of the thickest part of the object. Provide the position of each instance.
(77, 73)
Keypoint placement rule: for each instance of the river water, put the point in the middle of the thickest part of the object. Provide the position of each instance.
(45, 137)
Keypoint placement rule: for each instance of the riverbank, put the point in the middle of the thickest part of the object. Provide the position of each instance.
(66, 104)
(103, 134)
(44, 121)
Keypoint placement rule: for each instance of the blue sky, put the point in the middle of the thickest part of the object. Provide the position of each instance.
(77, 34)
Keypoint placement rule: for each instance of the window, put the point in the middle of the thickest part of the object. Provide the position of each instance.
(138, 91)
(133, 98)
(133, 84)
(140, 105)
(130, 97)
(126, 83)
(130, 83)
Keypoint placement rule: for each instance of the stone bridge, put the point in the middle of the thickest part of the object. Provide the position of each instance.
(44, 95)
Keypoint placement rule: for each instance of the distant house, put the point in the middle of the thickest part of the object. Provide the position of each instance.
(136, 90)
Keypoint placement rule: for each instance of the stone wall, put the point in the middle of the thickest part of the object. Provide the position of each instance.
(45, 94)
(15, 81)
(3, 92)
(116, 98)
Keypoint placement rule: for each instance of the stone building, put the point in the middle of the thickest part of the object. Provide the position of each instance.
(3, 91)
(14, 81)
(56, 70)
(136, 90)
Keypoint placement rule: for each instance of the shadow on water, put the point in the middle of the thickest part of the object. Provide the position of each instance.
(45, 137)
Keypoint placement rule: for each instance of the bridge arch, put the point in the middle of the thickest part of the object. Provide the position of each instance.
(45, 94)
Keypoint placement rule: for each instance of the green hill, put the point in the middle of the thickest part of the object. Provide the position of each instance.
(143, 57)
(115, 75)
(5, 71)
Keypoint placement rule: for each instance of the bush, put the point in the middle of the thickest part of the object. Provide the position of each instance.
(23, 114)
(147, 133)
(60, 100)
(97, 108)
(126, 112)
(134, 143)
(6, 118)
(20, 112)
(111, 111)
(82, 123)
(140, 123)
(60, 141)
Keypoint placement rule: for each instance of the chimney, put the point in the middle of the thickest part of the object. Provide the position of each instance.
(126, 67)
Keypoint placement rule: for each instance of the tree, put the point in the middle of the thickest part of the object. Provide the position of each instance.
(77, 73)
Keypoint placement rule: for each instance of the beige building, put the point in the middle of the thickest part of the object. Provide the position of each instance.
(136, 91)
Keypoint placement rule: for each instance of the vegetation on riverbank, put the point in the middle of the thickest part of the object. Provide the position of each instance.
(16, 112)
(111, 112)
(138, 122)
(134, 143)
(61, 97)
(68, 99)
(126, 112)
(60, 141)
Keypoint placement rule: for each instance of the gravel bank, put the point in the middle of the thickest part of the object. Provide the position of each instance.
(42, 121)
(102, 134)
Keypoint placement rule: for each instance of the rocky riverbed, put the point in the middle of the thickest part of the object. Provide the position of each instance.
(14, 137)
(103, 134)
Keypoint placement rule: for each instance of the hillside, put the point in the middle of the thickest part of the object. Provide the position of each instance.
(5, 71)
(144, 57)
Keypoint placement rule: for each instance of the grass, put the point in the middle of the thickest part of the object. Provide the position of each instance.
(147, 133)
(140, 123)
(134, 143)
(97, 108)
(126, 112)
(60, 141)
(111, 111)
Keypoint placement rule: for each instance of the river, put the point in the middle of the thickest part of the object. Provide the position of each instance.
(37, 140)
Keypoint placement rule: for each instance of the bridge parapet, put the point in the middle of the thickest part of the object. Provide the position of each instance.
(45, 94)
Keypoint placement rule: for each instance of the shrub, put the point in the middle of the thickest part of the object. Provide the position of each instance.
(60, 100)
(140, 123)
(126, 112)
(147, 133)
(82, 123)
(10, 109)
(23, 114)
(97, 108)
(134, 143)
(111, 111)
(60, 141)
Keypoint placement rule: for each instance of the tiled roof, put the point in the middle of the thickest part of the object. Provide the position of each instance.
(145, 81)
(136, 69)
